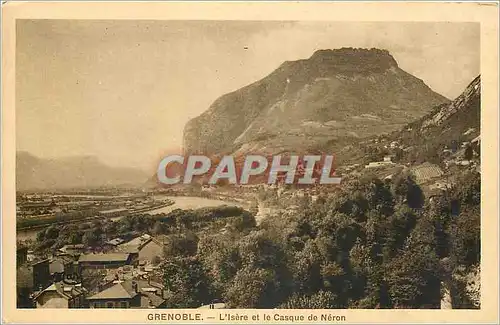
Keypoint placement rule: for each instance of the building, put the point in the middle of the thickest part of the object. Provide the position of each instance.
(41, 274)
(73, 249)
(63, 294)
(394, 144)
(218, 305)
(145, 246)
(376, 164)
(21, 255)
(24, 286)
(128, 294)
(106, 261)
(31, 256)
(115, 242)
(62, 267)
(441, 185)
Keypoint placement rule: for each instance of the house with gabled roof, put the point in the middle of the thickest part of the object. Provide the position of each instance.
(106, 261)
(63, 294)
(76, 249)
(128, 294)
(146, 246)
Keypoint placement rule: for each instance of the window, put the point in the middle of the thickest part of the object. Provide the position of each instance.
(123, 304)
(110, 304)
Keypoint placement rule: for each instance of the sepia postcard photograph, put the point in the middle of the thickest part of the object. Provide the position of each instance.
(174, 162)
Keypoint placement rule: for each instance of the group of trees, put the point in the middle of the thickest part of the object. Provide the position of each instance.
(56, 217)
(93, 234)
(371, 244)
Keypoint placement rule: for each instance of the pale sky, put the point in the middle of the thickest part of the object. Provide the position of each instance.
(123, 90)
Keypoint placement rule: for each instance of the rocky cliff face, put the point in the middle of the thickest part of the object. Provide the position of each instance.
(447, 125)
(467, 102)
(333, 96)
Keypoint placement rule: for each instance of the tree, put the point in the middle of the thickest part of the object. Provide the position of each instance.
(186, 283)
(380, 197)
(398, 228)
(466, 287)
(221, 259)
(51, 233)
(306, 269)
(320, 300)
(40, 236)
(465, 234)
(90, 238)
(252, 288)
(181, 245)
(405, 189)
(159, 228)
(413, 279)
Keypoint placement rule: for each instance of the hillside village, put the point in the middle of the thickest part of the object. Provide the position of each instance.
(128, 274)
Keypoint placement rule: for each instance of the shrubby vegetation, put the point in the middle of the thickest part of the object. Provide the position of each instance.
(372, 244)
(57, 217)
(178, 225)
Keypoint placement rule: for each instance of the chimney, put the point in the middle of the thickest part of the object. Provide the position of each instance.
(134, 286)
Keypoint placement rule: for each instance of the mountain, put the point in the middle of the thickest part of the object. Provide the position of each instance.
(447, 125)
(460, 115)
(334, 96)
(33, 173)
(425, 139)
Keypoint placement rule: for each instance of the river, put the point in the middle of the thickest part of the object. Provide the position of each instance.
(190, 202)
(181, 202)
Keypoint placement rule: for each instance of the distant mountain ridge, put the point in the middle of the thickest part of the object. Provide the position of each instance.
(34, 173)
(333, 96)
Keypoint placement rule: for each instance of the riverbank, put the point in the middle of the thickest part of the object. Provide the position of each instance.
(177, 202)
(73, 220)
(196, 202)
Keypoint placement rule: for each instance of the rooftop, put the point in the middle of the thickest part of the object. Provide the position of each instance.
(76, 246)
(110, 257)
(125, 290)
(64, 289)
(136, 243)
(115, 241)
(122, 290)
(218, 305)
